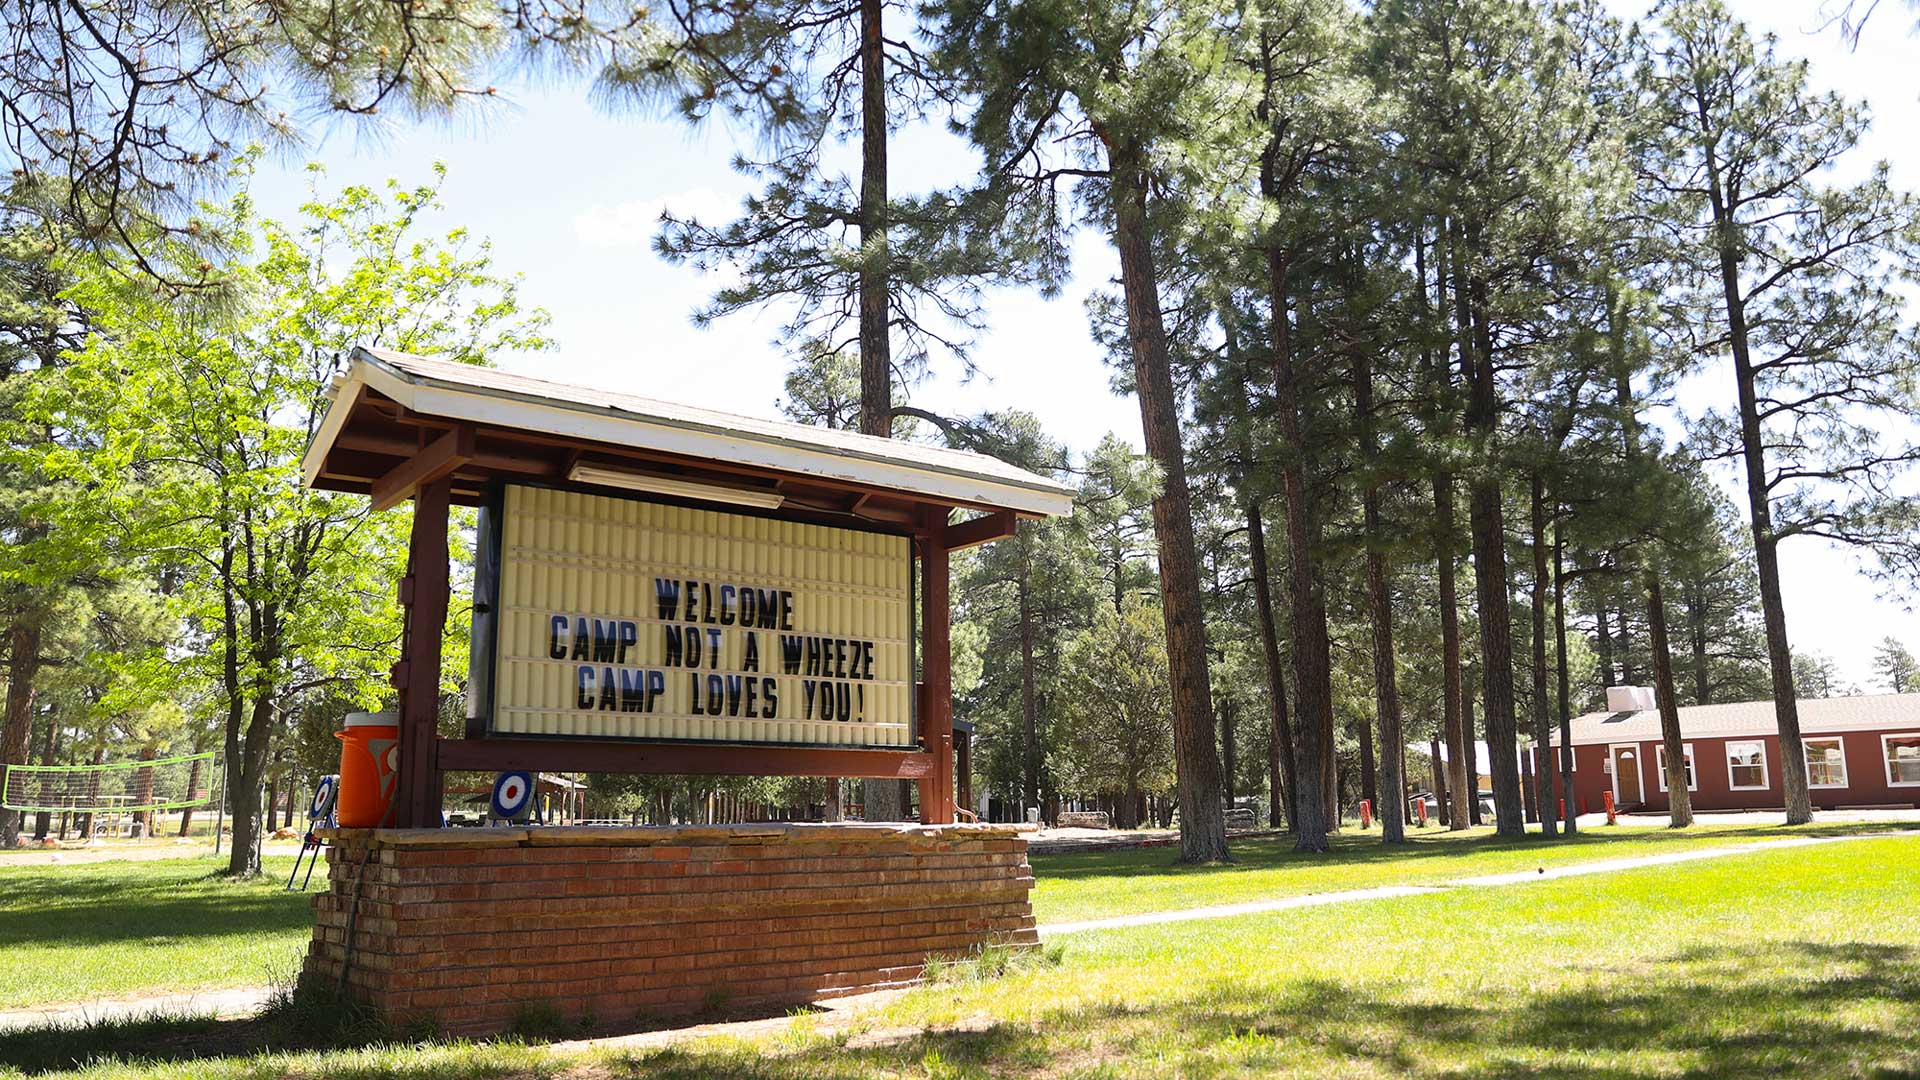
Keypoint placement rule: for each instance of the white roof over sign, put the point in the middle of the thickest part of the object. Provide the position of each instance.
(457, 391)
(1875, 712)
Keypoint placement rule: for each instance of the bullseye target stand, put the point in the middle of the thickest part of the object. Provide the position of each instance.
(667, 590)
(320, 815)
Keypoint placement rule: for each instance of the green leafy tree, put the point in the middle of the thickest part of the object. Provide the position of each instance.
(195, 419)
(1115, 694)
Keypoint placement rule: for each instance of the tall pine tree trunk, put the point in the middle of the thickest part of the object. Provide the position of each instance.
(1386, 685)
(23, 666)
(50, 755)
(1029, 719)
(1694, 595)
(1459, 737)
(1786, 704)
(1563, 677)
(1679, 801)
(1440, 372)
(1488, 519)
(1542, 723)
(1227, 750)
(1280, 759)
(1203, 831)
(886, 800)
(1603, 645)
(1369, 784)
(1473, 761)
(1313, 817)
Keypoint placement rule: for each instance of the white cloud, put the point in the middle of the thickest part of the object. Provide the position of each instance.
(633, 224)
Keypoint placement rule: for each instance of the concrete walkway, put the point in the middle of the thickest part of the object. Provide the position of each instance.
(228, 1004)
(245, 1001)
(1605, 866)
(1385, 892)
(1227, 911)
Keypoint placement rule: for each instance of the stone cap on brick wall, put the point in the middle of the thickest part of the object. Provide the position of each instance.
(647, 835)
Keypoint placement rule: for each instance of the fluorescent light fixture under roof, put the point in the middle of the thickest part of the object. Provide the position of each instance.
(602, 476)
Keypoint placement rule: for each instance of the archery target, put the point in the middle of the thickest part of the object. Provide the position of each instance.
(324, 795)
(512, 795)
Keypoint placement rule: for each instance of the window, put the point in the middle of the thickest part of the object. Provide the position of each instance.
(1903, 759)
(1826, 763)
(1686, 753)
(1747, 765)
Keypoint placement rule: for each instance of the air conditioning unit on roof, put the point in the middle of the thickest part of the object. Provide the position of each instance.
(1631, 699)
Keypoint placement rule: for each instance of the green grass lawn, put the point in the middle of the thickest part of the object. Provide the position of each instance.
(107, 929)
(1094, 885)
(1789, 963)
(1797, 962)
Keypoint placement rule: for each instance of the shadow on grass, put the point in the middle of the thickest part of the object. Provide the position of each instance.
(1791, 1008)
(1353, 848)
(319, 1021)
(102, 903)
(1701, 1013)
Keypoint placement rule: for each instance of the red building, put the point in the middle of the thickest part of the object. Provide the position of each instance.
(1862, 752)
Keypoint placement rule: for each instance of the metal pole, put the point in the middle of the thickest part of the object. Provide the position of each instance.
(220, 805)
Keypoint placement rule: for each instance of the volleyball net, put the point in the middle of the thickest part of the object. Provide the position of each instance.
(171, 783)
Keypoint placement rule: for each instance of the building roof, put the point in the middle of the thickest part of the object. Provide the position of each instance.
(504, 401)
(1873, 712)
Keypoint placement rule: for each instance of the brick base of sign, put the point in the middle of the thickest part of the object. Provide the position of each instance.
(473, 929)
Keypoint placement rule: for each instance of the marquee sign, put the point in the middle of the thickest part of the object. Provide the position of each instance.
(624, 619)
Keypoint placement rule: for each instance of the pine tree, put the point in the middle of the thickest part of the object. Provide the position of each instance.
(1803, 276)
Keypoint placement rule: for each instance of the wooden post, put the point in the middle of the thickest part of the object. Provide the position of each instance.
(424, 594)
(936, 673)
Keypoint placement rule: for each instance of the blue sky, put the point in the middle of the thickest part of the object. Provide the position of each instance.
(569, 193)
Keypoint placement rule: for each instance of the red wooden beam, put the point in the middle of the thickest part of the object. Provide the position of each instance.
(436, 460)
(980, 530)
(936, 673)
(424, 593)
(703, 759)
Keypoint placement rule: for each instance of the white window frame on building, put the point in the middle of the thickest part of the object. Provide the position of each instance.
(1886, 756)
(1806, 744)
(1660, 762)
(1759, 744)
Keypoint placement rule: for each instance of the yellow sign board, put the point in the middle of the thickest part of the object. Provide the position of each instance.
(625, 619)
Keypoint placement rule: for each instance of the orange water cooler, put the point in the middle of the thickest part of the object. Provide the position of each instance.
(369, 769)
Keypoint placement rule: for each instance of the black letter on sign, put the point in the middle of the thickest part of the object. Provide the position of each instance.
(557, 637)
(751, 662)
(629, 637)
(633, 690)
(790, 654)
(770, 699)
(581, 642)
(583, 693)
(609, 698)
(667, 595)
